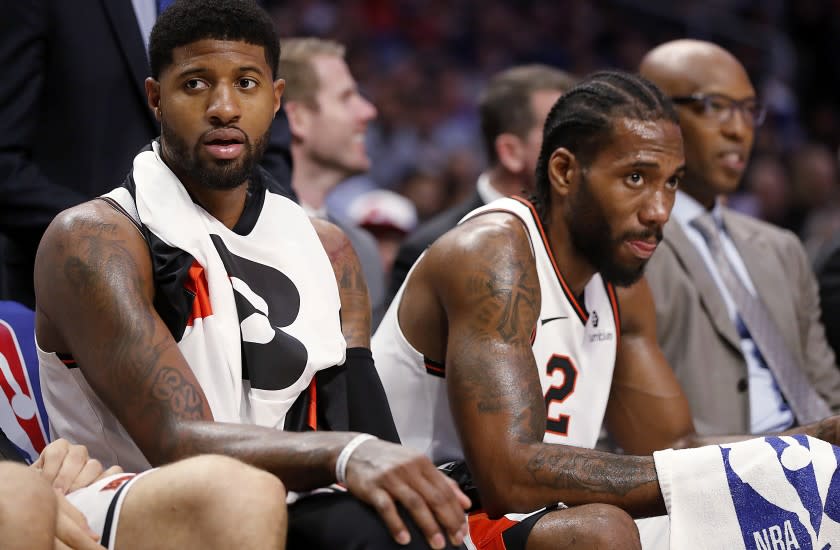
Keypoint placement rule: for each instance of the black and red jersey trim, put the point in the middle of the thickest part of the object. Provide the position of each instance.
(434, 368)
(616, 311)
(68, 360)
(581, 312)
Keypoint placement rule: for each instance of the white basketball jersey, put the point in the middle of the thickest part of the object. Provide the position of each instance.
(574, 344)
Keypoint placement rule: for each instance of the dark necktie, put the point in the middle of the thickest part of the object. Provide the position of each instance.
(804, 401)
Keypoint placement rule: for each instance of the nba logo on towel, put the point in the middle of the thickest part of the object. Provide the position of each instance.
(20, 417)
(782, 507)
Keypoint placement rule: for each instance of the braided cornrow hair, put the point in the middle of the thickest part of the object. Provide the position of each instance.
(582, 119)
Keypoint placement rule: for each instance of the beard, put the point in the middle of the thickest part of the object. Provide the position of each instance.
(212, 173)
(592, 237)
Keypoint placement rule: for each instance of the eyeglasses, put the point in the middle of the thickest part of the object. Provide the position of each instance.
(721, 108)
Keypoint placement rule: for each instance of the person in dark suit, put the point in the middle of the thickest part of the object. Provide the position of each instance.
(512, 109)
(73, 115)
(732, 370)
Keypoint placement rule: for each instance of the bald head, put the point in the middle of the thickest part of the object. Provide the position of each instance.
(682, 67)
(715, 100)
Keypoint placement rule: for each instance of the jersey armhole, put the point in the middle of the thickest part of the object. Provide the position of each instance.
(132, 217)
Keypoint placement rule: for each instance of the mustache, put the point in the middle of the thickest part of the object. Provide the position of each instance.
(644, 235)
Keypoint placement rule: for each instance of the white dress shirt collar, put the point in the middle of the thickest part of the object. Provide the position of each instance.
(485, 189)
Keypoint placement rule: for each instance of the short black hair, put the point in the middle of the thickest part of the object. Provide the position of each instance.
(188, 21)
(582, 119)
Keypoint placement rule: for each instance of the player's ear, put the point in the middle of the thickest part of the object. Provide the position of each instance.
(511, 152)
(278, 86)
(561, 170)
(153, 96)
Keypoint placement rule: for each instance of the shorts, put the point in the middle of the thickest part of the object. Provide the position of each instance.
(340, 521)
(101, 503)
(511, 531)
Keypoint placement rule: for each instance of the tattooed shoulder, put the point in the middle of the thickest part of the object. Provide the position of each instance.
(493, 302)
(352, 288)
(496, 276)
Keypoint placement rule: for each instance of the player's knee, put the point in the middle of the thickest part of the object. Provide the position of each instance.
(229, 487)
(23, 488)
(27, 507)
(612, 527)
(223, 476)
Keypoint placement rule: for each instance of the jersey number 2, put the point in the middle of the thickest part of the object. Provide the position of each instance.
(558, 424)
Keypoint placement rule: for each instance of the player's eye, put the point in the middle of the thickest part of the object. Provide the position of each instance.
(673, 183)
(195, 84)
(246, 83)
(635, 179)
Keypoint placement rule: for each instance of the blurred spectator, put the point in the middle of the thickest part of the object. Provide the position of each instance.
(512, 110)
(427, 60)
(389, 217)
(328, 118)
(422, 63)
(816, 195)
(768, 191)
(426, 191)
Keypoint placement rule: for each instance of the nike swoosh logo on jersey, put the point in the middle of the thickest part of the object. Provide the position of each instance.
(549, 319)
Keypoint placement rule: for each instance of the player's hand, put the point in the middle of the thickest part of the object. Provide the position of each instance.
(71, 527)
(68, 467)
(384, 474)
(827, 429)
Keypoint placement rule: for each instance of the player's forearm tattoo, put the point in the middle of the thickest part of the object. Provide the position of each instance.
(352, 280)
(135, 354)
(617, 475)
(170, 387)
(352, 288)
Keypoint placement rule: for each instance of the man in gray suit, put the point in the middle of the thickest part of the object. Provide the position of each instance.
(736, 301)
(328, 118)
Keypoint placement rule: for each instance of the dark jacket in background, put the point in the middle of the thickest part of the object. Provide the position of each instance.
(421, 238)
(73, 115)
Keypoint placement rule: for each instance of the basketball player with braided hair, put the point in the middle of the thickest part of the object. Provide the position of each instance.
(529, 325)
(510, 363)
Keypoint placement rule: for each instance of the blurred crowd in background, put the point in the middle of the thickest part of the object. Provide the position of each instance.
(423, 63)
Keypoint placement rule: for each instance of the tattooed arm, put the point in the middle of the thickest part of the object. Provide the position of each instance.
(93, 279)
(352, 289)
(491, 303)
(367, 410)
